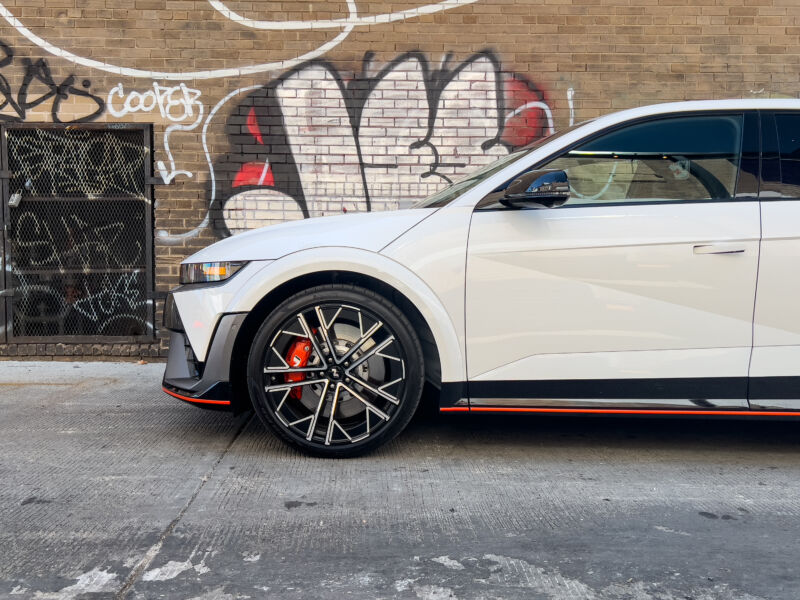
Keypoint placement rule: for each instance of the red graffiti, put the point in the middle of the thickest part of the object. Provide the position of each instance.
(252, 126)
(254, 173)
(528, 124)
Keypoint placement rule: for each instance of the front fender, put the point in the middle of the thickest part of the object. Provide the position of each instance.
(367, 263)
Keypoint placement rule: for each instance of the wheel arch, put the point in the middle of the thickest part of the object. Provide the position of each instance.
(441, 350)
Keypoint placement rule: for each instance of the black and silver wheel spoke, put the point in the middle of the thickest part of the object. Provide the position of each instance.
(332, 420)
(289, 386)
(378, 391)
(325, 327)
(320, 404)
(368, 355)
(310, 335)
(334, 374)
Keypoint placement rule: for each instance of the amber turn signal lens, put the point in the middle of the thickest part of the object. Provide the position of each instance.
(209, 272)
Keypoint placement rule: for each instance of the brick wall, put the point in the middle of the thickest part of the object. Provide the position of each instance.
(269, 111)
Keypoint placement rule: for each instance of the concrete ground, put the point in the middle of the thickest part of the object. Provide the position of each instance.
(110, 488)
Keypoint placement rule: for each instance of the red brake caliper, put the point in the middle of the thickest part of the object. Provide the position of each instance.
(298, 357)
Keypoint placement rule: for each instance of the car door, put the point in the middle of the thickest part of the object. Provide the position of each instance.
(775, 368)
(639, 291)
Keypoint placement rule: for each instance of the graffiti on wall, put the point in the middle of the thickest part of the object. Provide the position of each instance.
(345, 25)
(314, 142)
(38, 87)
(317, 140)
(179, 105)
(364, 141)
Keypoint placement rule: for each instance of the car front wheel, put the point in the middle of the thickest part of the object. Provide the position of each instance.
(336, 370)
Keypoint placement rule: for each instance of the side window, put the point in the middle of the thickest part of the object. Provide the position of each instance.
(679, 158)
(781, 169)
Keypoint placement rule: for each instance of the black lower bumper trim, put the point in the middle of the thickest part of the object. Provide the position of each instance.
(204, 384)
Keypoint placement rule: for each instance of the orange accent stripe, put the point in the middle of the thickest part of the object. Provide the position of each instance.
(196, 400)
(629, 411)
(454, 409)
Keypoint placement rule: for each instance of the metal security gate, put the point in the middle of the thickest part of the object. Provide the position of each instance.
(77, 233)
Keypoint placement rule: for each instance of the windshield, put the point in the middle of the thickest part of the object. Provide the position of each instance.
(459, 186)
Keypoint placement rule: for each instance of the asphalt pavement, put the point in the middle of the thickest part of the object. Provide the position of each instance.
(109, 488)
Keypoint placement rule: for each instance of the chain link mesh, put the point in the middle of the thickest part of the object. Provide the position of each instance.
(78, 239)
(77, 163)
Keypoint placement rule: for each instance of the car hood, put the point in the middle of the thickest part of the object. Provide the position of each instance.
(368, 231)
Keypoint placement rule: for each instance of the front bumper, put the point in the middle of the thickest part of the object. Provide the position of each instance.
(206, 384)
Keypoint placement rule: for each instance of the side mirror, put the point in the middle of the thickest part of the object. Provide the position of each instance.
(537, 189)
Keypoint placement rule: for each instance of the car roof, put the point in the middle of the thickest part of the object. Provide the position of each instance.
(700, 106)
(673, 108)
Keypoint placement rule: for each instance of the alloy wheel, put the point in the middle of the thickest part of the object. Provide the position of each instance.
(334, 374)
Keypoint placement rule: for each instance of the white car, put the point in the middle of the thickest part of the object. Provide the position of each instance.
(645, 262)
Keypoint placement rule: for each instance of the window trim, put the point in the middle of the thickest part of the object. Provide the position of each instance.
(489, 202)
(767, 119)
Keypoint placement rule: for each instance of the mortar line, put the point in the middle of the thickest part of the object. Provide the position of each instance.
(154, 550)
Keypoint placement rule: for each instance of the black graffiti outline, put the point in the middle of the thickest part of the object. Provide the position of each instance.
(436, 81)
(39, 71)
(355, 94)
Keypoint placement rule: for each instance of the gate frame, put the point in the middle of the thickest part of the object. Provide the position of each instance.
(6, 289)
(5, 292)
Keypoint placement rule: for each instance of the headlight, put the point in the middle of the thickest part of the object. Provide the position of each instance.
(209, 271)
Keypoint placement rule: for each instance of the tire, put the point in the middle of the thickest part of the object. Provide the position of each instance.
(336, 371)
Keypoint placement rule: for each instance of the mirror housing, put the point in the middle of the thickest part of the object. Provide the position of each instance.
(537, 189)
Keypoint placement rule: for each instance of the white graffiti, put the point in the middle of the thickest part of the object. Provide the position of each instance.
(346, 25)
(177, 104)
(414, 134)
(541, 106)
(38, 243)
(466, 115)
(353, 19)
(116, 295)
(571, 102)
(164, 236)
(117, 304)
(168, 175)
(400, 157)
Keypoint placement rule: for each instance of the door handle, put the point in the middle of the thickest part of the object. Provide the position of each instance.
(722, 248)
